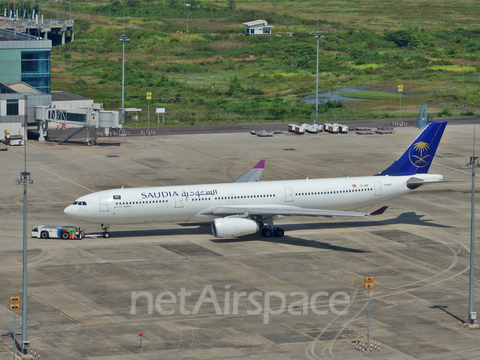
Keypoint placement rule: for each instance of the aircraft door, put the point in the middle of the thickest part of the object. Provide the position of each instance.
(179, 201)
(377, 185)
(103, 203)
(288, 195)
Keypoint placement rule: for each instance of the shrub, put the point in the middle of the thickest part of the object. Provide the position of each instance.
(445, 112)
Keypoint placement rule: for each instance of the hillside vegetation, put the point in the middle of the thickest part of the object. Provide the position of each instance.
(217, 74)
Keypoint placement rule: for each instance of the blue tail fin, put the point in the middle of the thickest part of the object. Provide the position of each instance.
(417, 158)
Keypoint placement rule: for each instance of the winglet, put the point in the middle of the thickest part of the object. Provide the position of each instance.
(260, 165)
(379, 211)
(253, 174)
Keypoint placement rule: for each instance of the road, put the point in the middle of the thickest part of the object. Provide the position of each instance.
(238, 128)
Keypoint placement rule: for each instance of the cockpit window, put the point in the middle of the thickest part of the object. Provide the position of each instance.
(75, 202)
(84, 203)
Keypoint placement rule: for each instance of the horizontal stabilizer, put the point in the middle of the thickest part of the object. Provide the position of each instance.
(415, 182)
(379, 211)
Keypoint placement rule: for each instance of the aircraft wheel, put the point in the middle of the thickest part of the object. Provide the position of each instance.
(106, 234)
(44, 235)
(267, 233)
(279, 232)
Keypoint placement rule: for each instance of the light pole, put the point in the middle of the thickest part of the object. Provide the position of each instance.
(318, 36)
(187, 21)
(109, 13)
(136, 12)
(25, 179)
(340, 20)
(85, 10)
(5, 7)
(419, 20)
(123, 39)
(472, 315)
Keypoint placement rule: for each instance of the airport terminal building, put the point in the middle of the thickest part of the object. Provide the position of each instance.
(25, 91)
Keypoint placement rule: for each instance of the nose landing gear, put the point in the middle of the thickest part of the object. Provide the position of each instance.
(105, 228)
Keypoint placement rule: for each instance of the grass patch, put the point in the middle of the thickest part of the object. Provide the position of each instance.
(216, 74)
(452, 68)
(366, 66)
(370, 95)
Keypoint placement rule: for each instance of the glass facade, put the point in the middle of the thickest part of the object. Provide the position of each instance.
(36, 69)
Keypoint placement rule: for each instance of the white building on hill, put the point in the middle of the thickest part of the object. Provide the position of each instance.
(258, 27)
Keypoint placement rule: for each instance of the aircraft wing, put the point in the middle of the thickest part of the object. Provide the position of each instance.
(252, 175)
(268, 211)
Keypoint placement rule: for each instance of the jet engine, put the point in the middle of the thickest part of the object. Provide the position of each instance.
(233, 227)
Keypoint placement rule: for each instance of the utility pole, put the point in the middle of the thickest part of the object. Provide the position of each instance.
(419, 20)
(187, 21)
(123, 39)
(318, 36)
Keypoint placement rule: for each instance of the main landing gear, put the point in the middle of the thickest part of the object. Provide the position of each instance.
(268, 230)
(105, 228)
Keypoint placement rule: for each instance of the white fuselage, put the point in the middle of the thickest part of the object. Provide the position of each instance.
(187, 202)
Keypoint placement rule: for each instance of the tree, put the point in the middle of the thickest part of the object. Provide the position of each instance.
(132, 3)
(232, 4)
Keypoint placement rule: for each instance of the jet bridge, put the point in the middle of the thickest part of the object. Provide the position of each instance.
(91, 117)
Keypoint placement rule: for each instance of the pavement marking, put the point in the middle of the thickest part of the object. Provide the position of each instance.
(69, 161)
(63, 178)
(111, 319)
(459, 249)
(228, 172)
(277, 321)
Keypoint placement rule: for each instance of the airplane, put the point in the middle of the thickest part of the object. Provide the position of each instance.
(247, 205)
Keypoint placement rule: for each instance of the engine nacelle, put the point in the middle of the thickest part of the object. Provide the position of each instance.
(233, 227)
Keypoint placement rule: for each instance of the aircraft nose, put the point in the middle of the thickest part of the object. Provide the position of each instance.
(68, 210)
